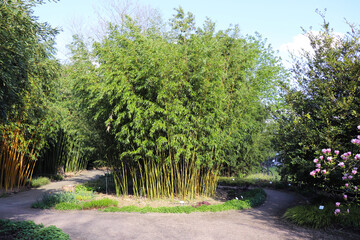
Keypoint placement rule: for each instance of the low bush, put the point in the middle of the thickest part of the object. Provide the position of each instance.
(312, 216)
(29, 230)
(49, 200)
(250, 199)
(83, 193)
(39, 181)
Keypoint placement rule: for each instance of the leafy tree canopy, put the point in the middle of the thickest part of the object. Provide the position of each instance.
(324, 106)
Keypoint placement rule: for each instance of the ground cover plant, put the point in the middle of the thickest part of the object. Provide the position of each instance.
(312, 216)
(29, 230)
(82, 198)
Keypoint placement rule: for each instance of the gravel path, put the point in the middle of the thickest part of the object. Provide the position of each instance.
(261, 223)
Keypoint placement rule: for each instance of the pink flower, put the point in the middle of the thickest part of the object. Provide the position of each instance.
(312, 173)
(321, 157)
(358, 136)
(354, 172)
(337, 211)
(357, 156)
(316, 160)
(344, 178)
(324, 151)
(328, 150)
(350, 177)
(355, 168)
(324, 171)
(337, 152)
(349, 154)
(345, 197)
(318, 165)
(355, 187)
(358, 127)
(329, 159)
(341, 164)
(346, 185)
(337, 204)
(317, 170)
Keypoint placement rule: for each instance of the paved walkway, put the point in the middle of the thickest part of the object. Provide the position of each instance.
(260, 223)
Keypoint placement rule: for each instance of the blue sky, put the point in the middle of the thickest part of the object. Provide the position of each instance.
(279, 21)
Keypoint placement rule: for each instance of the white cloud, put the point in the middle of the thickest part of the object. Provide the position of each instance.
(299, 44)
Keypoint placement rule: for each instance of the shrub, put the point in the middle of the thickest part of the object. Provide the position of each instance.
(51, 199)
(30, 230)
(39, 181)
(83, 193)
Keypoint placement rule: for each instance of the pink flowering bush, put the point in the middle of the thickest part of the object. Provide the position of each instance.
(347, 163)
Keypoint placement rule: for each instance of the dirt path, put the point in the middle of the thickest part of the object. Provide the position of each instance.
(260, 223)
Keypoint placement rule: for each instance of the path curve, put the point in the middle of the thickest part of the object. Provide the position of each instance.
(263, 222)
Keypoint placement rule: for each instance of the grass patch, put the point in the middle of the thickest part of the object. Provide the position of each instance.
(101, 203)
(250, 199)
(260, 180)
(29, 230)
(39, 181)
(94, 204)
(312, 216)
(68, 206)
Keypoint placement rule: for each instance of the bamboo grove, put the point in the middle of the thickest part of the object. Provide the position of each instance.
(173, 107)
(32, 113)
(168, 108)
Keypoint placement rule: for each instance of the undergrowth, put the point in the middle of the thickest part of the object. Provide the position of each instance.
(29, 230)
(250, 199)
(312, 216)
(39, 181)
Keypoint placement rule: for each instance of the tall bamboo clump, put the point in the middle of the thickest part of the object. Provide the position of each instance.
(16, 159)
(171, 107)
(154, 180)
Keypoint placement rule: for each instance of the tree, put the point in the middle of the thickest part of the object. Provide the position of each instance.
(323, 109)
